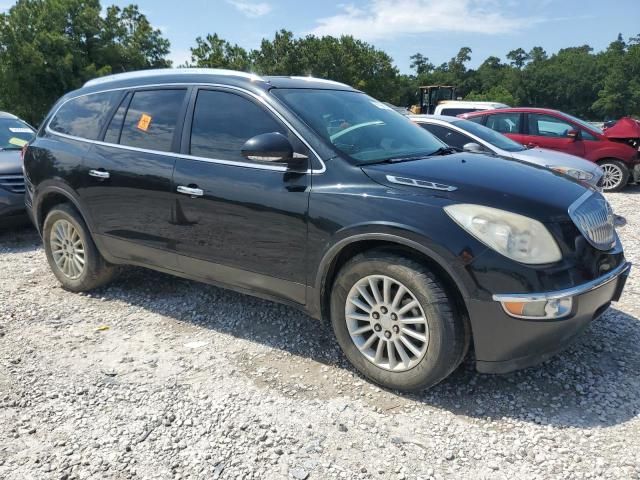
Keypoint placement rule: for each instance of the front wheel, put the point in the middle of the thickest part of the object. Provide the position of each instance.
(395, 321)
(616, 175)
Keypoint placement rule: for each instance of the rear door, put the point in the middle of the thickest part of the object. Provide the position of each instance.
(507, 123)
(549, 131)
(128, 189)
(246, 223)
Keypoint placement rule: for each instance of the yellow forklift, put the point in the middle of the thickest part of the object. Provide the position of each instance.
(431, 95)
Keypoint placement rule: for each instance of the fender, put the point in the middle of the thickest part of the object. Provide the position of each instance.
(394, 233)
(58, 187)
(614, 150)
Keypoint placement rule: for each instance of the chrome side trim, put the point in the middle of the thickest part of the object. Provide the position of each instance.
(279, 168)
(171, 71)
(569, 292)
(412, 182)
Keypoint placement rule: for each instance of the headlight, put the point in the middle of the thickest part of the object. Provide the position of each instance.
(520, 238)
(573, 172)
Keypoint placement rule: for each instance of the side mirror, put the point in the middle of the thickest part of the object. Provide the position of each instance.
(574, 134)
(273, 147)
(472, 147)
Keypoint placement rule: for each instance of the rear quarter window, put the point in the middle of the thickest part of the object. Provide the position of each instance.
(85, 116)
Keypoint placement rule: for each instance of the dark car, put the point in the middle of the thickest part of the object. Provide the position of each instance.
(14, 134)
(311, 193)
(546, 128)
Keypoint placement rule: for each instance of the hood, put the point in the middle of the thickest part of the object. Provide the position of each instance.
(551, 158)
(10, 162)
(624, 128)
(523, 188)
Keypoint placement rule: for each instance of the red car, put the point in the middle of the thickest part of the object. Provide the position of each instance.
(615, 150)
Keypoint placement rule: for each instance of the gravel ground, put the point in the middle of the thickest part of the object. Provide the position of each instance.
(158, 377)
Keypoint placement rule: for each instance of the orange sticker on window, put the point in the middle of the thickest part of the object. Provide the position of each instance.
(144, 122)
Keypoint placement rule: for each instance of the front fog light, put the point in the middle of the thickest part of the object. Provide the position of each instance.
(540, 309)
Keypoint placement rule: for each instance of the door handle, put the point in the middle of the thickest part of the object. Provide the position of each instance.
(194, 192)
(99, 174)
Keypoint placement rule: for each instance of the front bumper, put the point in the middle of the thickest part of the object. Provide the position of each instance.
(504, 343)
(12, 208)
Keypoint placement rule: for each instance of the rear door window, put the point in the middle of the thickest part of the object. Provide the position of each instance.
(85, 116)
(152, 118)
(504, 122)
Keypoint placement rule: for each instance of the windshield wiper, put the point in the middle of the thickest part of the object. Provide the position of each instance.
(445, 151)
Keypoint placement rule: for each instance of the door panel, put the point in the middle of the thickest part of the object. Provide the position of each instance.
(129, 191)
(248, 217)
(547, 131)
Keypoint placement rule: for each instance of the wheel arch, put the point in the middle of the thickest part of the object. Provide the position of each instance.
(51, 195)
(347, 248)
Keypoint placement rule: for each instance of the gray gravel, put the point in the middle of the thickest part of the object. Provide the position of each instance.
(158, 377)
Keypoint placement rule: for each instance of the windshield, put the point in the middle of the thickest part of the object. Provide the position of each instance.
(14, 134)
(584, 124)
(366, 130)
(490, 136)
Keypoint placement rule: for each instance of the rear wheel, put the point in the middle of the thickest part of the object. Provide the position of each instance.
(71, 252)
(616, 175)
(395, 322)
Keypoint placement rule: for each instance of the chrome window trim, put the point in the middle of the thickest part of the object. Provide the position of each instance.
(622, 269)
(259, 98)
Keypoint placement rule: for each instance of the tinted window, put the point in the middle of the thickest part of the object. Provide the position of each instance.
(364, 129)
(479, 119)
(504, 122)
(447, 135)
(112, 134)
(587, 136)
(548, 126)
(85, 116)
(14, 133)
(223, 122)
(151, 119)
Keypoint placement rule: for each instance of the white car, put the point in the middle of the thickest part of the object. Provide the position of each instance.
(472, 137)
(458, 107)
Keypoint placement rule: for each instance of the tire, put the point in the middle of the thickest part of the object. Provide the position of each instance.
(616, 175)
(59, 225)
(445, 330)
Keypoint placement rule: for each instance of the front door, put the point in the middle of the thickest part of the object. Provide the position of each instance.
(129, 193)
(239, 222)
(548, 131)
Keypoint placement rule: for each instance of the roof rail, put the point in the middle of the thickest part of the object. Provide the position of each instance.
(321, 80)
(171, 71)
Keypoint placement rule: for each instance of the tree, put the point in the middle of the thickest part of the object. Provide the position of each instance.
(421, 64)
(518, 58)
(214, 52)
(48, 47)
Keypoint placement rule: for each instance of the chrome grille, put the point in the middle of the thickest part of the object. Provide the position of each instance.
(13, 183)
(594, 218)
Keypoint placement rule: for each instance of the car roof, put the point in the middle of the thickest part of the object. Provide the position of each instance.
(512, 110)
(9, 115)
(434, 118)
(246, 80)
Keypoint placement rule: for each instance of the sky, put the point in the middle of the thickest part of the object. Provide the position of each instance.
(435, 28)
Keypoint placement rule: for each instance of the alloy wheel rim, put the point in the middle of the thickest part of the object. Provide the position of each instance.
(612, 176)
(387, 323)
(67, 249)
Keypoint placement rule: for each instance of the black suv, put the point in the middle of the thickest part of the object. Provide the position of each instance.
(311, 193)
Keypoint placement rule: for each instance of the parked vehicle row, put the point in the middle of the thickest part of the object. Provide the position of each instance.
(537, 127)
(469, 136)
(14, 135)
(311, 193)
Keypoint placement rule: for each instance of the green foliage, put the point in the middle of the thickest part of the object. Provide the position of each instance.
(497, 93)
(49, 47)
